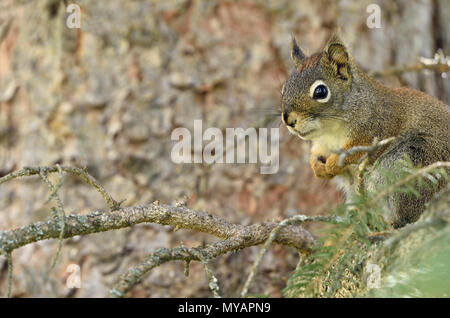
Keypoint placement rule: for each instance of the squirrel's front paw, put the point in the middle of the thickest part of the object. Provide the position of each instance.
(332, 167)
(318, 165)
(326, 168)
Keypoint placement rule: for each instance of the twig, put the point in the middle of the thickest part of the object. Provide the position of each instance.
(10, 273)
(361, 171)
(213, 282)
(82, 173)
(363, 163)
(439, 63)
(57, 185)
(343, 154)
(297, 219)
(133, 275)
(60, 209)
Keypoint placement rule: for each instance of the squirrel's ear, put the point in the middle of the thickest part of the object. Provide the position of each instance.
(296, 53)
(336, 56)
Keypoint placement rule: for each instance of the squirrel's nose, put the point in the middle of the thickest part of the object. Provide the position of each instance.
(289, 121)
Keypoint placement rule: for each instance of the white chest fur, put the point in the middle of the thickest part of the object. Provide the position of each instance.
(331, 136)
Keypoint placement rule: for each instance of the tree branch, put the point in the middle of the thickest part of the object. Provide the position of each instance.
(234, 236)
(439, 63)
(133, 275)
(180, 217)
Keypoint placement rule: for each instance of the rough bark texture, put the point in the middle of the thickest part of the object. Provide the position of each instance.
(108, 95)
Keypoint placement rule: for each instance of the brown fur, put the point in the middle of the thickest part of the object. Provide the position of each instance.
(310, 62)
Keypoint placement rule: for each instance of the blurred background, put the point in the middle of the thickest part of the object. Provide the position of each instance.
(108, 95)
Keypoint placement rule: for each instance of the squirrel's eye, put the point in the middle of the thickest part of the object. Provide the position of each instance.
(319, 91)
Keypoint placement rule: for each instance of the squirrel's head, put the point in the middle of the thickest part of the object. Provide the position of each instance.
(313, 96)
